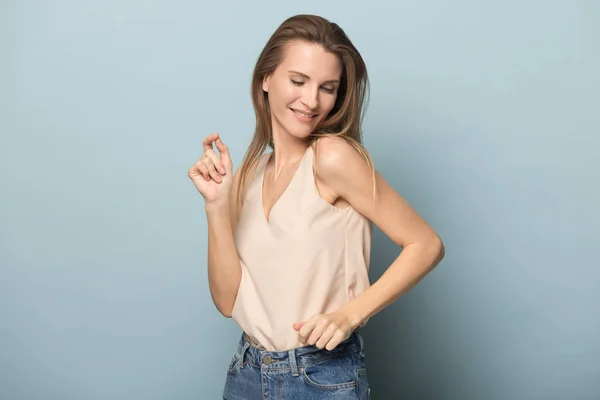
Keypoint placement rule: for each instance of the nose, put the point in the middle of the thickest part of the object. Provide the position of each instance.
(311, 98)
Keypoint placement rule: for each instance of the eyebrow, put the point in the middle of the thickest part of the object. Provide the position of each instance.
(308, 77)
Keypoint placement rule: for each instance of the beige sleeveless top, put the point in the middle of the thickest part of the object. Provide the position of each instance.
(310, 257)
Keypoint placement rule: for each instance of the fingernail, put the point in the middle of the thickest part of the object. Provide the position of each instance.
(223, 171)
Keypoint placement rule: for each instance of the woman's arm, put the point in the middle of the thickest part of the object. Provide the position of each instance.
(340, 169)
(224, 270)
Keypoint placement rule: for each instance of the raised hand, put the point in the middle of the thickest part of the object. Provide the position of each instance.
(212, 174)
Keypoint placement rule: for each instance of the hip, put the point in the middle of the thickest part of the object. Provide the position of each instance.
(305, 372)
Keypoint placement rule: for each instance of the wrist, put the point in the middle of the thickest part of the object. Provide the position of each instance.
(217, 206)
(353, 315)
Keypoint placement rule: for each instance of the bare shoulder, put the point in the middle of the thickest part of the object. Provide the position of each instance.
(335, 157)
(339, 166)
(347, 175)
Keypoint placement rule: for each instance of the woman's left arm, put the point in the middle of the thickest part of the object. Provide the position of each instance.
(341, 169)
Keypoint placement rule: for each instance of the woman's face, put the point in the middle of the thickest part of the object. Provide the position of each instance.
(303, 89)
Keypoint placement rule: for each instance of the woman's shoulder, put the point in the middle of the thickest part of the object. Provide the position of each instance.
(334, 155)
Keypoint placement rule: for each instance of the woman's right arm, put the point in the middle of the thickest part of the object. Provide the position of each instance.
(224, 269)
(213, 176)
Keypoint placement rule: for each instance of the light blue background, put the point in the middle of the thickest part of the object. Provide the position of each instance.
(484, 115)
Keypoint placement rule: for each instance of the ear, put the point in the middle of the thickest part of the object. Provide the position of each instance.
(265, 83)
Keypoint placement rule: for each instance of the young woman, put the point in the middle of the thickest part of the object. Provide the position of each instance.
(289, 235)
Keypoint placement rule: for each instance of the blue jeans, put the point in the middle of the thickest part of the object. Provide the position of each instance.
(303, 373)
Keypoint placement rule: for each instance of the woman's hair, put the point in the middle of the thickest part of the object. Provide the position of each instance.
(345, 119)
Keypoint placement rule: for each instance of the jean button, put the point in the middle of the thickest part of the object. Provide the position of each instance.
(268, 360)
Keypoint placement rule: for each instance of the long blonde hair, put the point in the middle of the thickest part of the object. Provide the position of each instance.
(345, 119)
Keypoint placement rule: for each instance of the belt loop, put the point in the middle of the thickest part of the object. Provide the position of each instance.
(242, 352)
(362, 343)
(293, 365)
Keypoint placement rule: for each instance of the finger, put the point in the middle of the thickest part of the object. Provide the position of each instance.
(223, 151)
(306, 329)
(326, 336)
(208, 141)
(316, 333)
(193, 171)
(207, 167)
(338, 337)
(298, 325)
(216, 161)
(212, 170)
(203, 170)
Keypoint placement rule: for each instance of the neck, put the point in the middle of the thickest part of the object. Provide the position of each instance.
(288, 150)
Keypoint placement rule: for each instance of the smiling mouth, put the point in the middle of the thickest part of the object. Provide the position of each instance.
(303, 114)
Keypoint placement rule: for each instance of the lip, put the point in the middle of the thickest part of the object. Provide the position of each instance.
(302, 118)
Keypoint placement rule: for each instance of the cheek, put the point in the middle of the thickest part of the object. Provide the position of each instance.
(284, 97)
(291, 94)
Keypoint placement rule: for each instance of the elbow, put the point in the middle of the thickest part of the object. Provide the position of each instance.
(224, 300)
(226, 310)
(437, 248)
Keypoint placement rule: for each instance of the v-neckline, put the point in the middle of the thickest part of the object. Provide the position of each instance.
(267, 217)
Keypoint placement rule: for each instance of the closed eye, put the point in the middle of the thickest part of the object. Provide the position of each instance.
(325, 89)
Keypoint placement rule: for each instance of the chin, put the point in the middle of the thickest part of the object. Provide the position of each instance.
(296, 129)
(298, 132)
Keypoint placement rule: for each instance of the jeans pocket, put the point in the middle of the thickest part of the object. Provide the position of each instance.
(321, 384)
(233, 364)
(334, 374)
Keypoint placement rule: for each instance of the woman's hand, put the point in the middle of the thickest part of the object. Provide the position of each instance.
(212, 175)
(325, 330)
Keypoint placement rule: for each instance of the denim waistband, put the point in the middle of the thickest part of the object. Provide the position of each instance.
(295, 358)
